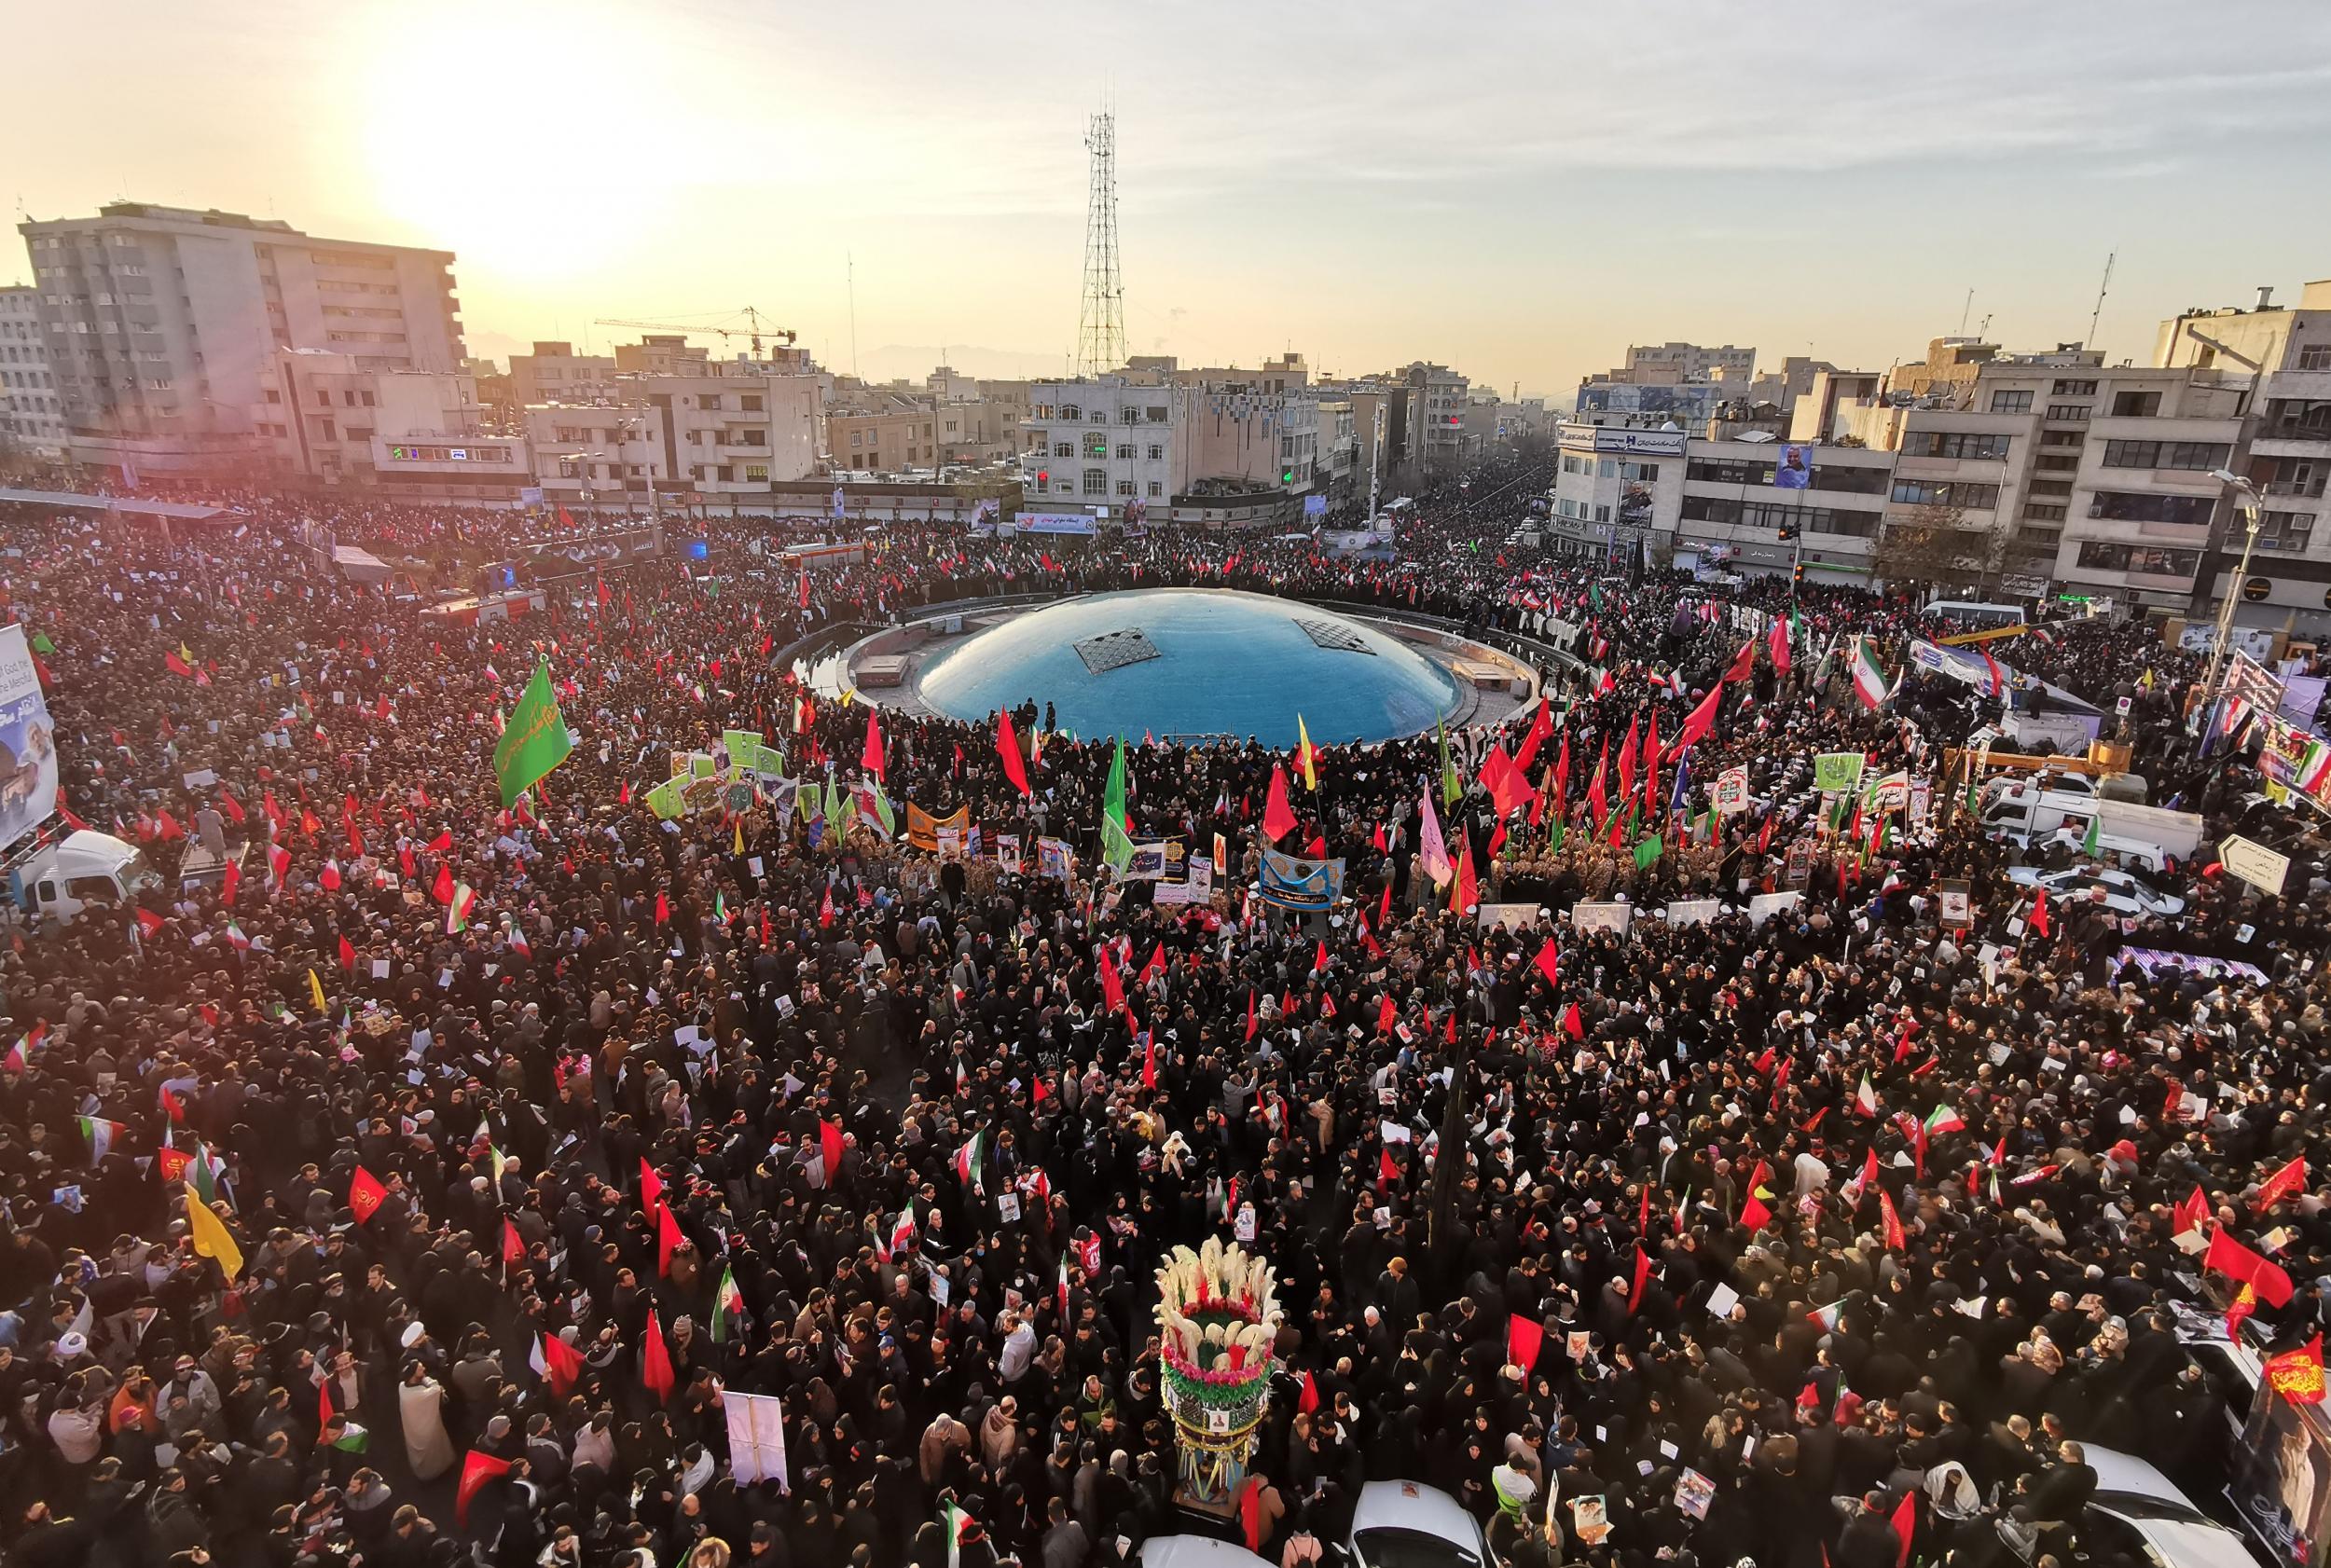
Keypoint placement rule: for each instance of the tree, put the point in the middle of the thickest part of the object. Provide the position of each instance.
(1929, 544)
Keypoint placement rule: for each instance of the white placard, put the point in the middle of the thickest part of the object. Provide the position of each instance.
(2254, 863)
(1609, 916)
(756, 1437)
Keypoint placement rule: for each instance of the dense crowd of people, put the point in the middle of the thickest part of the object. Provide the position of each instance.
(533, 1130)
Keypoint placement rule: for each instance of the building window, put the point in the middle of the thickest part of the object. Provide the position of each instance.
(2192, 456)
(2011, 403)
(1070, 411)
(1096, 481)
(2136, 405)
(2074, 389)
(1156, 451)
(1923, 492)
(751, 402)
(1157, 416)
(2057, 462)
(1953, 444)
(2043, 512)
(2122, 506)
(1156, 488)
(2103, 555)
(1124, 486)
(758, 473)
(1127, 451)
(2315, 356)
(1130, 415)
(856, 437)
(2284, 531)
(1064, 449)
(2057, 488)
(1097, 444)
(2074, 413)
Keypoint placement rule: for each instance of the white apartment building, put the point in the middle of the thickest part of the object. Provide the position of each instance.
(1435, 416)
(716, 439)
(163, 322)
(31, 417)
(411, 434)
(555, 372)
(1736, 513)
(1212, 453)
(2288, 581)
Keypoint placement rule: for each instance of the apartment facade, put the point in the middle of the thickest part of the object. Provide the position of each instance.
(2287, 584)
(1617, 490)
(32, 419)
(555, 372)
(1201, 453)
(163, 322)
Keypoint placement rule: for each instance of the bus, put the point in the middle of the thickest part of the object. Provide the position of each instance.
(1974, 614)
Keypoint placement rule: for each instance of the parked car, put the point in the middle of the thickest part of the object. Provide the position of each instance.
(1196, 1551)
(2149, 1519)
(2118, 891)
(1408, 1524)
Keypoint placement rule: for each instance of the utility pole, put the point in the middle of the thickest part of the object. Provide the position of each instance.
(2246, 498)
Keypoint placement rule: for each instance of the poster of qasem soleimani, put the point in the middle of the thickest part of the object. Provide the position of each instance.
(28, 750)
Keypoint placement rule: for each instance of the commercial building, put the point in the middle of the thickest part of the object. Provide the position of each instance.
(1678, 381)
(1617, 490)
(163, 322)
(31, 419)
(413, 434)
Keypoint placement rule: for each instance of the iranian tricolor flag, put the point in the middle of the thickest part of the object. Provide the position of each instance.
(1943, 1119)
(728, 1306)
(1865, 1098)
(902, 1233)
(100, 1134)
(458, 908)
(953, 1519)
(967, 1161)
(1827, 1316)
(1869, 681)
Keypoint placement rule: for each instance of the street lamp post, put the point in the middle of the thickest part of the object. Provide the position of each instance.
(2246, 498)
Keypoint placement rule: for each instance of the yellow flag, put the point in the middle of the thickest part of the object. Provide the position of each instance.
(1303, 754)
(315, 993)
(741, 835)
(210, 1235)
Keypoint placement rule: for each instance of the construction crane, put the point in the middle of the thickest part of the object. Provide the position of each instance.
(753, 330)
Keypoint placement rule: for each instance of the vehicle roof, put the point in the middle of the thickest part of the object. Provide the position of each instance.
(1196, 1551)
(2116, 1471)
(1413, 1506)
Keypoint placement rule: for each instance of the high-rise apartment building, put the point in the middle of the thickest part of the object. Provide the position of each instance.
(31, 417)
(162, 324)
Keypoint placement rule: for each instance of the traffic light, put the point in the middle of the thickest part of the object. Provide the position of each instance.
(1799, 574)
(1287, 475)
(1788, 532)
(1042, 477)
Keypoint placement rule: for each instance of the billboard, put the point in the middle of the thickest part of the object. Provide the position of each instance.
(1794, 471)
(28, 750)
(1056, 522)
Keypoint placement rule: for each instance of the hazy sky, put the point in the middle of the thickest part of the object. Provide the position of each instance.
(1517, 189)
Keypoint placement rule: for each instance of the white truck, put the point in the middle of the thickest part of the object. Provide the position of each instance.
(83, 868)
(2029, 815)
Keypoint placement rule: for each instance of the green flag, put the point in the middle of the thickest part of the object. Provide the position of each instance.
(534, 741)
(41, 644)
(353, 1438)
(1451, 787)
(833, 807)
(1595, 597)
(1646, 849)
(1116, 844)
(2089, 840)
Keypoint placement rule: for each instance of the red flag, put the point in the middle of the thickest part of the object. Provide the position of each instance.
(1149, 1060)
(476, 1470)
(830, 1145)
(1905, 1527)
(1113, 986)
(2039, 912)
(1627, 760)
(1386, 1172)
(442, 889)
(650, 1186)
(365, 1195)
(870, 757)
(1571, 1025)
(1780, 645)
(1308, 1400)
(655, 1372)
(149, 924)
(2297, 1375)
(667, 1239)
(1524, 1337)
(1594, 795)
(1642, 1274)
(2282, 1184)
(1278, 817)
(1744, 663)
(513, 1244)
(1896, 1239)
(1251, 1022)
(443, 842)
(173, 1106)
(1549, 962)
(347, 953)
(1386, 1015)
(2230, 1257)
(562, 1364)
(2190, 1215)
(1008, 747)
(663, 907)
(329, 877)
(1651, 770)
(1542, 728)
(1701, 720)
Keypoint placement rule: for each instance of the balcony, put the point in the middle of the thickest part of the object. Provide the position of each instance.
(2303, 489)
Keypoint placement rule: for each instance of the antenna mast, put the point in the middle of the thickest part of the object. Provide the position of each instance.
(2090, 342)
(1101, 322)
